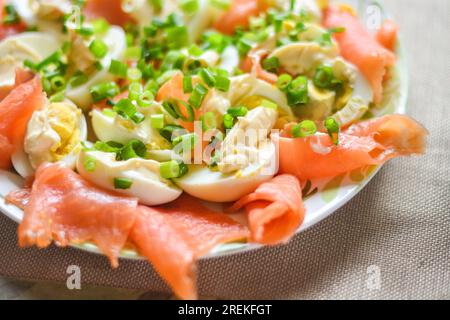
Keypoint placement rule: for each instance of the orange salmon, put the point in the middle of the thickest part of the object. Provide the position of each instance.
(275, 210)
(111, 10)
(174, 236)
(371, 142)
(360, 48)
(15, 112)
(387, 35)
(64, 208)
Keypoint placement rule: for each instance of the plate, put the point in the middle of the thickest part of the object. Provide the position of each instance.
(321, 197)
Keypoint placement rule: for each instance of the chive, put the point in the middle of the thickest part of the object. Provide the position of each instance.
(134, 90)
(152, 86)
(78, 80)
(187, 84)
(177, 37)
(133, 149)
(195, 51)
(244, 46)
(109, 112)
(188, 108)
(145, 99)
(221, 4)
(104, 90)
(188, 140)
(333, 129)
(208, 121)
(323, 77)
(133, 52)
(198, 95)
(170, 131)
(98, 48)
(157, 121)
(269, 104)
(100, 26)
(118, 68)
(207, 76)
(122, 183)
(85, 31)
(238, 112)
(304, 129)
(170, 109)
(53, 58)
(58, 97)
(223, 83)
(172, 169)
(89, 164)
(127, 110)
(271, 64)
(109, 147)
(134, 74)
(284, 81)
(297, 91)
(58, 83)
(11, 17)
(189, 6)
(228, 121)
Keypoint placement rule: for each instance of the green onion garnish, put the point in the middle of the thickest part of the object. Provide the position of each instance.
(228, 121)
(172, 169)
(104, 90)
(187, 84)
(58, 83)
(98, 48)
(133, 53)
(223, 83)
(238, 112)
(189, 6)
(100, 26)
(188, 140)
(133, 149)
(304, 129)
(323, 77)
(221, 4)
(169, 131)
(122, 183)
(271, 64)
(198, 95)
(208, 121)
(58, 97)
(89, 164)
(208, 77)
(118, 68)
(157, 121)
(177, 37)
(284, 81)
(145, 99)
(78, 80)
(333, 129)
(269, 104)
(134, 74)
(297, 91)
(11, 17)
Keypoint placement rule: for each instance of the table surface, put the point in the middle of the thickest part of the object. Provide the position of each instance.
(332, 271)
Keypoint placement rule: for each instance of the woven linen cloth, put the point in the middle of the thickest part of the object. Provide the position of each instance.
(397, 229)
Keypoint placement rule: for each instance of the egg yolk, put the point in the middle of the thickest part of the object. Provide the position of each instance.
(65, 122)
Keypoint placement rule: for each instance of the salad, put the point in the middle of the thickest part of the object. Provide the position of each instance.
(127, 118)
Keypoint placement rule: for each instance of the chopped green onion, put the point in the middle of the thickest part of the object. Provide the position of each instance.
(58, 83)
(221, 4)
(78, 80)
(172, 169)
(223, 83)
(208, 121)
(127, 109)
(188, 140)
(195, 51)
(100, 26)
(98, 48)
(269, 104)
(187, 84)
(170, 131)
(271, 64)
(134, 74)
(207, 76)
(284, 81)
(238, 112)
(333, 129)
(228, 121)
(133, 52)
(198, 95)
(177, 37)
(109, 147)
(145, 99)
(297, 91)
(133, 149)
(118, 68)
(323, 77)
(157, 121)
(166, 76)
(244, 46)
(304, 129)
(134, 91)
(122, 183)
(58, 97)
(104, 90)
(11, 17)
(89, 164)
(109, 112)
(170, 109)
(189, 6)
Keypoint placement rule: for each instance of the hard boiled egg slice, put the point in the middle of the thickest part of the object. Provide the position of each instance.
(33, 46)
(243, 163)
(115, 39)
(147, 185)
(54, 134)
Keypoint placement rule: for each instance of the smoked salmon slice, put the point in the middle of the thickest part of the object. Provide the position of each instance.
(239, 14)
(7, 30)
(67, 209)
(15, 111)
(371, 142)
(275, 210)
(111, 10)
(174, 236)
(359, 47)
(387, 35)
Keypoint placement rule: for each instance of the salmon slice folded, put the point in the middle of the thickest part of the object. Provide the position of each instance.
(359, 47)
(111, 10)
(173, 237)
(64, 208)
(387, 35)
(371, 142)
(275, 210)
(15, 112)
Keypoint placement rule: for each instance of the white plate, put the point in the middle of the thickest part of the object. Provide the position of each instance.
(324, 196)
